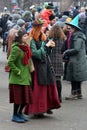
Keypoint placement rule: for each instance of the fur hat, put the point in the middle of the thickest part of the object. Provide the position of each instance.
(38, 22)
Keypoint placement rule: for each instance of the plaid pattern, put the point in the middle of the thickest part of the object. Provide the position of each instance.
(56, 58)
(20, 94)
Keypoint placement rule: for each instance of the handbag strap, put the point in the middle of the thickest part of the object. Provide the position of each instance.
(51, 66)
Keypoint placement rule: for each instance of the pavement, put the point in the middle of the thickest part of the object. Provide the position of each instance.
(71, 116)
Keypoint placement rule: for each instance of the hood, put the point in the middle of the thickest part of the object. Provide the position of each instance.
(26, 16)
(15, 17)
(79, 34)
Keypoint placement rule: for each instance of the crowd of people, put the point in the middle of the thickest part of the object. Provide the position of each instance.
(41, 49)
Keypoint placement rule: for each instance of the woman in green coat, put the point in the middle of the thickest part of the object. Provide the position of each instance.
(45, 96)
(77, 65)
(20, 78)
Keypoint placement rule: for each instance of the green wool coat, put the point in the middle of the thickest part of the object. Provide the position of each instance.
(20, 73)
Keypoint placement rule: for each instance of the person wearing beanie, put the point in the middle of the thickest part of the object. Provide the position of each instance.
(49, 5)
(20, 23)
(11, 34)
(20, 92)
(15, 17)
(46, 13)
(26, 16)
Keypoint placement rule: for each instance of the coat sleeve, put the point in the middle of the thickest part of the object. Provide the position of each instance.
(12, 59)
(76, 49)
(37, 53)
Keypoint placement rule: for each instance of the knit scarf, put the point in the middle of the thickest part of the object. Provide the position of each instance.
(27, 54)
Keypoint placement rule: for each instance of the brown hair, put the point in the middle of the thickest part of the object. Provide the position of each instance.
(57, 32)
(19, 35)
(36, 32)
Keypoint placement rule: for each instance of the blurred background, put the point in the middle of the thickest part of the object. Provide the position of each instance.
(25, 4)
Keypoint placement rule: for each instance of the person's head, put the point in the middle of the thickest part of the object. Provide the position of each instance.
(15, 17)
(37, 30)
(56, 32)
(82, 9)
(20, 22)
(37, 15)
(52, 19)
(26, 16)
(66, 27)
(21, 36)
(72, 29)
(49, 6)
(74, 24)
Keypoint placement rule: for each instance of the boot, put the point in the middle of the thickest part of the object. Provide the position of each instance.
(59, 89)
(79, 90)
(22, 116)
(20, 113)
(71, 97)
(15, 118)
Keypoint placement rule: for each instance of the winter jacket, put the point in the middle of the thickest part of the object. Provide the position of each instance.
(77, 65)
(20, 73)
(45, 15)
(45, 74)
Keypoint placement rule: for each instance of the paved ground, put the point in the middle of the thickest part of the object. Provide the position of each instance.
(71, 116)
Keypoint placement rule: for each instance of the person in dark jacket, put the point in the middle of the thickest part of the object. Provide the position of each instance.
(77, 65)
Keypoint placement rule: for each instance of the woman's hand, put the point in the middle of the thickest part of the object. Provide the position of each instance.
(50, 43)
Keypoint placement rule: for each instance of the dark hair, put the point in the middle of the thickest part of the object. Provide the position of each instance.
(51, 17)
(19, 35)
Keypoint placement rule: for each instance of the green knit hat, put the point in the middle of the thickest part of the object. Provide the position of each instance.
(49, 5)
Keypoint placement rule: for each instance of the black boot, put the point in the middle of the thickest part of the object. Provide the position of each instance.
(59, 89)
(79, 90)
